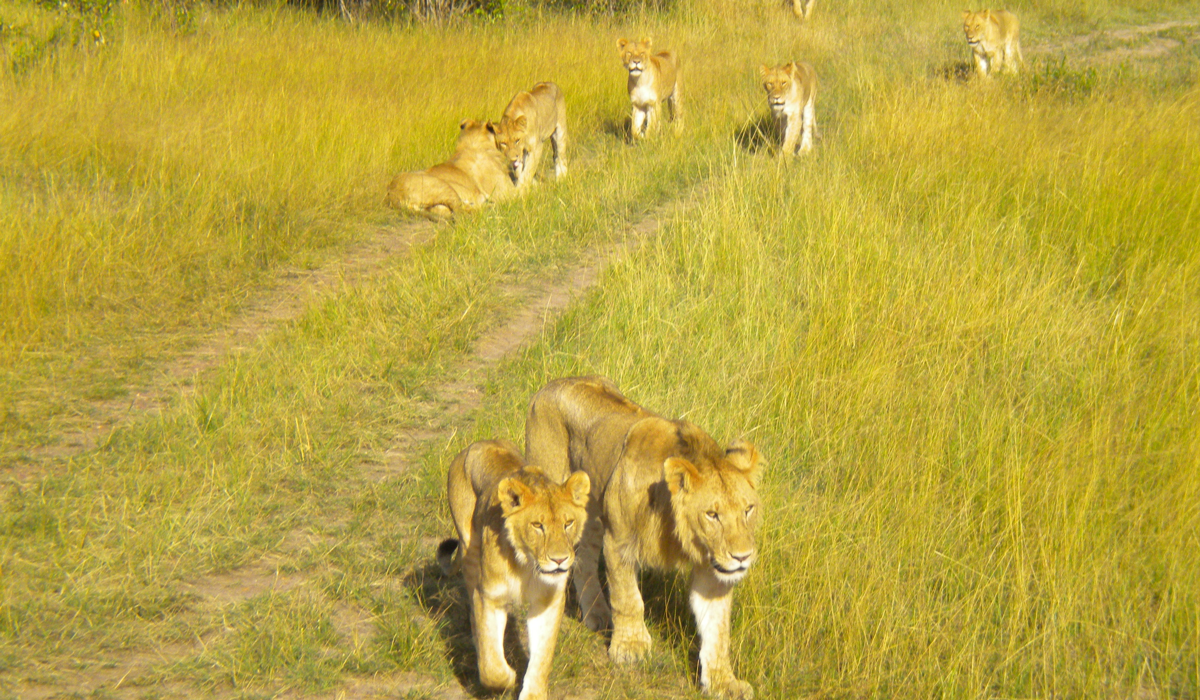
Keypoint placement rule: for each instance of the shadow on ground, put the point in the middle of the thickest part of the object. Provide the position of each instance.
(758, 134)
(444, 599)
(953, 71)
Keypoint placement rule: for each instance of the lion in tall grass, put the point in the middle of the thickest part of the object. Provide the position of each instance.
(993, 36)
(664, 495)
(791, 95)
(653, 80)
(529, 120)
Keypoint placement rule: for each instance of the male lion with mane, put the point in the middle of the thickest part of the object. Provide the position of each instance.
(529, 120)
(664, 495)
(993, 36)
(475, 173)
(653, 78)
(517, 532)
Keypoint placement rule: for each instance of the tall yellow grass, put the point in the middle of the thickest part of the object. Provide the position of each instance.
(964, 333)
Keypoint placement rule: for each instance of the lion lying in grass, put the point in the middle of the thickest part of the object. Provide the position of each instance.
(476, 173)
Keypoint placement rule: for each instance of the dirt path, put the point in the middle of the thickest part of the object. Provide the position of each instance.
(1137, 42)
(284, 299)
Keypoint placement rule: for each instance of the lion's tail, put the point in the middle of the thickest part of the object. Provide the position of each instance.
(449, 557)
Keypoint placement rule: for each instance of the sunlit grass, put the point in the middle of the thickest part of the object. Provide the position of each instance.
(964, 334)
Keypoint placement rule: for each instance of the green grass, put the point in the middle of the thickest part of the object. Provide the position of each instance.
(964, 334)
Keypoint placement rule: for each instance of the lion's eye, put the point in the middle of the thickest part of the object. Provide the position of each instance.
(569, 524)
(538, 527)
(712, 515)
(749, 510)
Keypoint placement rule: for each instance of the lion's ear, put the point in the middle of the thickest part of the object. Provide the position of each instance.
(513, 495)
(579, 486)
(465, 123)
(520, 122)
(681, 475)
(490, 127)
(622, 43)
(743, 456)
(762, 70)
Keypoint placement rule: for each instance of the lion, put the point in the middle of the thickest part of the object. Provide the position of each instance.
(476, 173)
(653, 78)
(528, 121)
(791, 95)
(802, 8)
(517, 532)
(993, 36)
(664, 495)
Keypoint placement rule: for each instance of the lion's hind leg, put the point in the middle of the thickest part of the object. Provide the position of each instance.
(586, 574)
(558, 142)
(808, 125)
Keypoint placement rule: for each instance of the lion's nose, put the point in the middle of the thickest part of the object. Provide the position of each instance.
(742, 558)
(558, 561)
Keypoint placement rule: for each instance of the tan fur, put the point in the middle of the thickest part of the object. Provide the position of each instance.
(802, 8)
(653, 78)
(476, 173)
(529, 120)
(791, 96)
(664, 495)
(993, 36)
(517, 532)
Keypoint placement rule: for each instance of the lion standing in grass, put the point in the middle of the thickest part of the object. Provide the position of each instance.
(517, 532)
(664, 495)
(993, 36)
(653, 79)
(791, 95)
(802, 8)
(529, 120)
(475, 173)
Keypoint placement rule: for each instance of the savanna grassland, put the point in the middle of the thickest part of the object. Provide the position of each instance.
(964, 332)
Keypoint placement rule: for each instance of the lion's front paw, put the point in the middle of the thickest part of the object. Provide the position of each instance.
(731, 688)
(629, 645)
(498, 677)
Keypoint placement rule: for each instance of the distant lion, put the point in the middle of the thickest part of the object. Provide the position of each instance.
(517, 532)
(653, 79)
(529, 120)
(993, 36)
(802, 8)
(475, 174)
(791, 95)
(664, 494)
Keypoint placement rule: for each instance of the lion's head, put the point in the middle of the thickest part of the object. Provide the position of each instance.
(978, 26)
(635, 55)
(780, 84)
(511, 138)
(543, 521)
(716, 506)
(474, 136)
